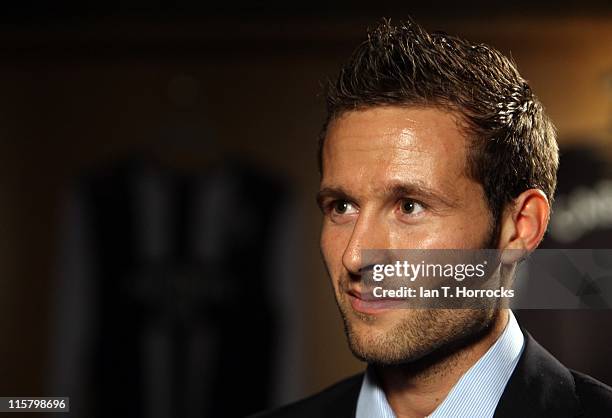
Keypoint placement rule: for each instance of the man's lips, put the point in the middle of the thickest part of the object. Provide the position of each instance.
(366, 303)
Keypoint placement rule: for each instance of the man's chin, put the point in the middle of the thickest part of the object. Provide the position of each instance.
(380, 354)
(402, 337)
(377, 338)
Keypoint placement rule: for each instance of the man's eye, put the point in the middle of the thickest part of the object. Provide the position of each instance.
(411, 207)
(342, 207)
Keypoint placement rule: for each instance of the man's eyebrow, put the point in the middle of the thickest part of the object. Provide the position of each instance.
(331, 192)
(417, 190)
(392, 191)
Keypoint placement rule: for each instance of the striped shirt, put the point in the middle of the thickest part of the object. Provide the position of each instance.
(477, 392)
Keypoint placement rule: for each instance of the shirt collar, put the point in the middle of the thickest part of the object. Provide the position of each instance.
(475, 394)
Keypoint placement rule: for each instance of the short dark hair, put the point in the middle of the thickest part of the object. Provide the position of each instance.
(513, 143)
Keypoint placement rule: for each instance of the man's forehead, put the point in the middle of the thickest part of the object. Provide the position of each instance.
(393, 144)
(410, 128)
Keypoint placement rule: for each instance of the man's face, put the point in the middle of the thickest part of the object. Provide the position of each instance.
(396, 178)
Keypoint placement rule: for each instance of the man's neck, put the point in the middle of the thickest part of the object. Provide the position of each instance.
(417, 391)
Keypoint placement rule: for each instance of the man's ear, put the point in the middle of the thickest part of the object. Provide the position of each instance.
(524, 222)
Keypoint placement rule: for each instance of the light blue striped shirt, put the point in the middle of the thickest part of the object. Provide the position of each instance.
(477, 392)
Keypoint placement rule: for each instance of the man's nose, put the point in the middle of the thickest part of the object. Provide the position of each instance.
(368, 233)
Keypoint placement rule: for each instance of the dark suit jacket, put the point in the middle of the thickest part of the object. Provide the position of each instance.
(540, 386)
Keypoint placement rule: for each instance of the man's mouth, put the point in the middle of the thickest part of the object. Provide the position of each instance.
(365, 302)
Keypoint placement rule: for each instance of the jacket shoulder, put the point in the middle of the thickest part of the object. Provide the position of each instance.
(338, 400)
(595, 397)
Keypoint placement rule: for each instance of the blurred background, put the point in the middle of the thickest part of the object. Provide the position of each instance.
(159, 253)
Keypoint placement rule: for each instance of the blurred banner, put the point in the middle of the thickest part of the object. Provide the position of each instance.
(581, 219)
(173, 297)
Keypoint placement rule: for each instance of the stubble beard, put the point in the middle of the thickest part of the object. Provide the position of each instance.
(418, 335)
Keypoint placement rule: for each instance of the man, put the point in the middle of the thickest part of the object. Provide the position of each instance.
(432, 142)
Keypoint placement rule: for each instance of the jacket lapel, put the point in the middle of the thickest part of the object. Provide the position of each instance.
(540, 386)
(345, 404)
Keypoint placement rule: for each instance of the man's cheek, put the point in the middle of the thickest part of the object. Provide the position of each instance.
(329, 247)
